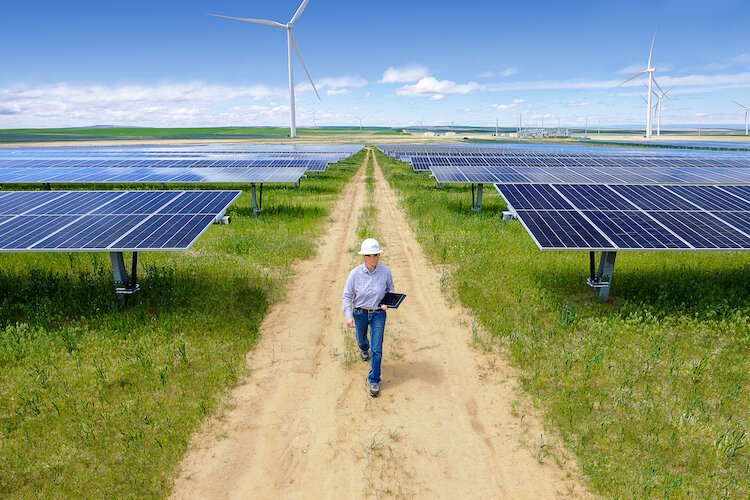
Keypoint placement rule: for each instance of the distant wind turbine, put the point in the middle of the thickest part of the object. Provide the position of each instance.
(290, 42)
(659, 96)
(747, 109)
(650, 71)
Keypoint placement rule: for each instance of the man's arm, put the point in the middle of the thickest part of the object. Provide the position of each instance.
(389, 287)
(347, 297)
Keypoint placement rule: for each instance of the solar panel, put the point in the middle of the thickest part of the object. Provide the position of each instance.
(97, 175)
(612, 218)
(312, 157)
(111, 221)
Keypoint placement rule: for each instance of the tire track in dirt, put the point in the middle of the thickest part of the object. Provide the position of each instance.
(302, 424)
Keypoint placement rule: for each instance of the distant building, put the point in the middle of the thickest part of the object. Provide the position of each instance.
(543, 133)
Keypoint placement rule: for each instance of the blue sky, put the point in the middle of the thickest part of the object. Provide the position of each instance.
(388, 63)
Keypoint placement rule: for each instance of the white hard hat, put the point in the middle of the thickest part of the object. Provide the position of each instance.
(369, 247)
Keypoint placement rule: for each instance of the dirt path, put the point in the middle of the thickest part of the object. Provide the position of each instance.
(448, 423)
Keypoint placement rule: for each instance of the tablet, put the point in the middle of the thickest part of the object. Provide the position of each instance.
(392, 300)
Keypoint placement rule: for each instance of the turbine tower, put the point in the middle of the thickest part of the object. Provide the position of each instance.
(747, 109)
(650, 71)
(659, 96)
(290, 42)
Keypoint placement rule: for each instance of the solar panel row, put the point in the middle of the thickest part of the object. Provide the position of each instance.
(313, 157)
(99, 175)
(617, 217)
(577, 161)
(117, 162)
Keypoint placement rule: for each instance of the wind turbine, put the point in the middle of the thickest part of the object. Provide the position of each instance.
(747, 109)
(659, 96)
(290, 42)
(650, 71)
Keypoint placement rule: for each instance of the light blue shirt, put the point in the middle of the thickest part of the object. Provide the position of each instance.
(365, 288)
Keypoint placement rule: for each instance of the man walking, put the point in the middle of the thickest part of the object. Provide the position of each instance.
(364, 289)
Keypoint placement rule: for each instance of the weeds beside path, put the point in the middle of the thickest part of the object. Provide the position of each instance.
(650, 390)
(101, 402)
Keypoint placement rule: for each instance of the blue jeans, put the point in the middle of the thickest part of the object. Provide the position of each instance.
(376, 322)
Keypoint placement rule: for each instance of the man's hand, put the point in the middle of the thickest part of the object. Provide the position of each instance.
(384, 307)
(350, 323)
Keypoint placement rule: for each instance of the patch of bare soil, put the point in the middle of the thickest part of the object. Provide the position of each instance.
(449, 423)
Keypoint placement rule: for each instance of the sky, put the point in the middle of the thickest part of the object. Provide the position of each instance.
(403, 63)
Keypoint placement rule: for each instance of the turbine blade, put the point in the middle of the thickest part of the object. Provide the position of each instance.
(632, 78)
(741, 105)
(265, 22)
(299, 12)
(302, 60)
(657, 85)
(644, 99)
(651, 52)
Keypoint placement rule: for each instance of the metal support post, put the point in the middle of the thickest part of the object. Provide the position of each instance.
(477, 206)
(125, 286)
(602, 279)
(256, 200)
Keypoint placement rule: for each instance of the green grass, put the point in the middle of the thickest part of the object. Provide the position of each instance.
(101, 402)
(367, 224)
(651, 390)
(116, 133)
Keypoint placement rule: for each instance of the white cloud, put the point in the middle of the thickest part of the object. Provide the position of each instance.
(632, 69)
(514, 104)
(740, 60)
(339, 82)
(737, 80)
(577, 104)
(437, 89)
(486, 74)
(336, 85)
(407, 74)
(192, 103)
(510, 71)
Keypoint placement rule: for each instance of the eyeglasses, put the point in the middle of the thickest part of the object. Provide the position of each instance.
(372, 255)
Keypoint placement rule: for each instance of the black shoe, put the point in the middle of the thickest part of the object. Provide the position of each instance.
(365, 355)
(374, 390)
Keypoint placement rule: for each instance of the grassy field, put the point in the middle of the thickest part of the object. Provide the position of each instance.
(651, 390)
(101, 402)
(120, 133)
